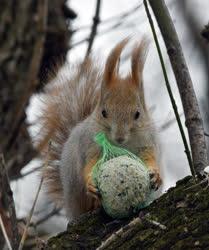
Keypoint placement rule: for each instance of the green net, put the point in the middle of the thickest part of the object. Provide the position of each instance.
(122, 179)
(109, 152)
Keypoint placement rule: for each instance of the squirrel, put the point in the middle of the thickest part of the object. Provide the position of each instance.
(94, 99)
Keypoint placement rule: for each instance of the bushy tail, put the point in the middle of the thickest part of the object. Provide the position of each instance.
(67, 100)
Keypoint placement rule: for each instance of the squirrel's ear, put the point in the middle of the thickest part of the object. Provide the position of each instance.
(138, 59)
(111, 66)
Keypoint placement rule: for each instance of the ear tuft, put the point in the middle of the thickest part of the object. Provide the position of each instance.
(138, 59)
(111, 69)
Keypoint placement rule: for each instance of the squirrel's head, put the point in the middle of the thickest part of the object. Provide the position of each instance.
(121, 108)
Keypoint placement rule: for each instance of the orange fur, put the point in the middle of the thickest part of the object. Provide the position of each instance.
(93, 199)
(110, 74)
(88, 168)
(148, 156)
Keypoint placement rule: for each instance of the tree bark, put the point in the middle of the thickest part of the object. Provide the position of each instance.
(32, 35)
(177, 220)
(190, 105)
(31, 40)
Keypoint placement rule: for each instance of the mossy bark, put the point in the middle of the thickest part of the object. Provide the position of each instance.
(183, 210)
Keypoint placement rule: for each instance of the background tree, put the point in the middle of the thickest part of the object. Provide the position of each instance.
(31, 39)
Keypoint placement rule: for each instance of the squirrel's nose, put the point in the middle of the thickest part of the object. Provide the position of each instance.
(120, 140)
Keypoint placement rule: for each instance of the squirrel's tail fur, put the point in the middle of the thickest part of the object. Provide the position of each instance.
(67, 100)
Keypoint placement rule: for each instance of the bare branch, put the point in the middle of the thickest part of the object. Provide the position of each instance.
(189, 101)
(169, 123)
(104, 32)
(33, 207)
(96, 21)
(206, 134)
(8, 197)
(5, 233)
(121, 16)
(55, 211)
(194, 26)
(121, 20)
(125, 231)
(173, 102)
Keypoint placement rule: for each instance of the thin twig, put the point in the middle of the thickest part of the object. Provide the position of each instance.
(155, 223)
(8, 197)
(124, 230)
(96, 21)
(169, 123)
(206, 134)
(103, 32)
(55, 211)
(205, 180)
(118, 234)
(193, 117)
(33, 206)
(120, 16)
(173, 102)
(5, 233)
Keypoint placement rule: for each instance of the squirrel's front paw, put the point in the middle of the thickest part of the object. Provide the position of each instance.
(93, 192)
(155, 180)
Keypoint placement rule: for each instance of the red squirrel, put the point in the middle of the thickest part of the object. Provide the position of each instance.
(90, 100)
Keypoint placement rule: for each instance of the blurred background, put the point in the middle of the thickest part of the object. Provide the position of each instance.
(29, 51)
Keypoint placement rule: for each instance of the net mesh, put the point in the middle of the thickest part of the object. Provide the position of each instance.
(109, 152)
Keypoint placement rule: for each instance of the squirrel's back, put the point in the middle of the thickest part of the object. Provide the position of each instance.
(67, 100)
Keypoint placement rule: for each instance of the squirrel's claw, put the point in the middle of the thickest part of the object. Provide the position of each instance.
(155, 180)
(92, 189)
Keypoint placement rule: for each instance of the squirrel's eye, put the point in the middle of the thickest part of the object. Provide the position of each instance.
(136, 116)
(104, 113)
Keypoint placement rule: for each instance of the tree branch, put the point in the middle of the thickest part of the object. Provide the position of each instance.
(8, 198)
(119, 21)
(201, 46)
(96, 21)
(55, 211)
(112, 19)
(5, 233)
(25, 232)
(192, 114)
(173, 102)
(177, 220)
(127, 230)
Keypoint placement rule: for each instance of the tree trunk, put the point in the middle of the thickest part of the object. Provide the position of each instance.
(32, 34)
(30, 38)
(193, 117)
(177, 220)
